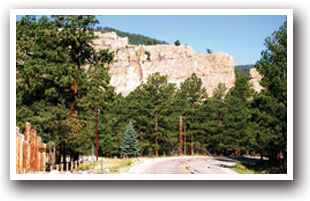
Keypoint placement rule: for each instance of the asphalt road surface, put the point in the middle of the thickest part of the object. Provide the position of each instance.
(185, 165)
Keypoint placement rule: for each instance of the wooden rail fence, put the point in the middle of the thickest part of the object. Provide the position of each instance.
(30, 152)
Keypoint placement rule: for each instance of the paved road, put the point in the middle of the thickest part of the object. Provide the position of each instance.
(185, 165)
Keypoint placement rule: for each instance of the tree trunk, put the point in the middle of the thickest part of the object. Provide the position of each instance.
(73, 108)
(97, 134)
(180, 145)
(74, 90)
(192, 135)
(164, 151)
(184, 139)
(192, 144)
(64, 155)
(221, 118)
(141, 140)
(156, 137)
(156, 146)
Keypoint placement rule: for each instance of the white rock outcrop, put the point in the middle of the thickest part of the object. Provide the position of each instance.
(133, 64)
(255, 78)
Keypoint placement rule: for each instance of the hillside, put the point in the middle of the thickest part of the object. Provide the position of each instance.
(133, 39)
(244, 68)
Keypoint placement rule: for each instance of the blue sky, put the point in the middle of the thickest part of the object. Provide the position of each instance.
(241, 36)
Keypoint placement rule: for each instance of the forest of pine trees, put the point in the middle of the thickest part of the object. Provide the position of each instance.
(62, 84)
(133, 39)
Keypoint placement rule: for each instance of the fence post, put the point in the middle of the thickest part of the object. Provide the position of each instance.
(32, 149)
(17, 131)
(42, 157)
(26, 156)
(37, 154)
(27, 131)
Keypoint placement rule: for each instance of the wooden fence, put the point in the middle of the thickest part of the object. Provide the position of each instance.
(30, 152)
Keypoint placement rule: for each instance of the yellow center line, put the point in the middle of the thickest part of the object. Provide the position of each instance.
(186, 163)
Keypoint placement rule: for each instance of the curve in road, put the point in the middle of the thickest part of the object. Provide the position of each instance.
(185, 165)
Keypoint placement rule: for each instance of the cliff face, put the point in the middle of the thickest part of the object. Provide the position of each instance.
(133, 64)
(255, 78)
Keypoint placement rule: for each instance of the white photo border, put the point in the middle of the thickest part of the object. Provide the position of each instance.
(15, 12)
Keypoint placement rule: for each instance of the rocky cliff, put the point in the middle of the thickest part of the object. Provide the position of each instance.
(255, 78)
(133, 64)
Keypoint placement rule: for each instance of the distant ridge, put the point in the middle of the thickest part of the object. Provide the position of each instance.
(133, 39)
(244, 68)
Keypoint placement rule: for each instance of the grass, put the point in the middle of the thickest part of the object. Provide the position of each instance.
(259, 168)
(242, 169)
(115, 165)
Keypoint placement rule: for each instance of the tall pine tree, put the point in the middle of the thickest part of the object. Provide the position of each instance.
(272, 101)
(193, 94)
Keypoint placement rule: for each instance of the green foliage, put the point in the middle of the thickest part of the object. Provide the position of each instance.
(243, 69)
(242, 169)
(130, 145)
(271, 104)
(133, 39)
(192, 94)
(148, 54)
(209, 51)
(50, 59)
(214, 112)
(262, 167)
(177, 43)
(236, 125)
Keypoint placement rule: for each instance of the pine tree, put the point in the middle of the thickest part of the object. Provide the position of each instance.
(51, 59)
(130, 145)
(177, 43)
(138, 103)
(43, 81)
(237, 130)
(159, 95)
(271, 114)
(193, 94)
(152, 102)
(215, 108)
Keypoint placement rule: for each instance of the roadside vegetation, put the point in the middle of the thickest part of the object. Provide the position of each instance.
(109, 165)
(259, 168)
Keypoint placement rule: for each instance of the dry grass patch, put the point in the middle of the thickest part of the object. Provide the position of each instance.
(116, 165)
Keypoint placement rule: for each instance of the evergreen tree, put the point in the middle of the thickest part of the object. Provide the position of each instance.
(215, 108)
(51, 55)
(130, 145)
(209, 51)
(237, 125)
(140, 110)
(158, 98)
(271, 114)
(177, 43)
(193, 94)
(152, 101)
(44, 80)
(133, 39)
